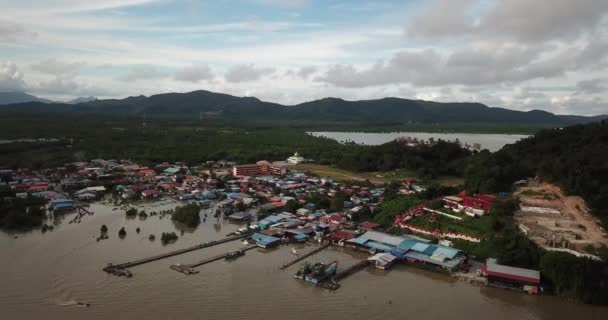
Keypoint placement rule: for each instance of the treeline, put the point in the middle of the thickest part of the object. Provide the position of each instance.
(572, 157)
(20, 214)
(427, 160)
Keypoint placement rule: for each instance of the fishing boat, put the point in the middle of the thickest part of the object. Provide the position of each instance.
(317, 272)
(234, 254)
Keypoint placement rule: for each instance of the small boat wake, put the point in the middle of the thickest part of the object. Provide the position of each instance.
(73, 302)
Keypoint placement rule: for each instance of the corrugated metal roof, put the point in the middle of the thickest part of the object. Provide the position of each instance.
(496, 269)
(447, 251)
(383, 238)
(420, 247)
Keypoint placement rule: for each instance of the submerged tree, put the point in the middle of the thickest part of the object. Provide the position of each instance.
(122, 232)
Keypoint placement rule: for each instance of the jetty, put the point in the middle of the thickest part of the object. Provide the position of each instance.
(119, 269)
(304, 256)
(189, 269)
(350, 270)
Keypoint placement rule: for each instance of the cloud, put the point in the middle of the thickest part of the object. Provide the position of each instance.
(518, 20)
(58, 68)
(62, 85)
(143, 72)
(12, 32)
(305, 72)
(591, 86)
(194, 73)
(246, 72)
(283, 3)
(476, 66)
(443, 18)
(11, 79)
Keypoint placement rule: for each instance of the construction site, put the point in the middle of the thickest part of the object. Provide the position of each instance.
(558, 222)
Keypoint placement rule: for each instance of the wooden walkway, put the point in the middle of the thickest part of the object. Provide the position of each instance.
(117, 269)
(189, 268)
(350, 270)
(304, 256)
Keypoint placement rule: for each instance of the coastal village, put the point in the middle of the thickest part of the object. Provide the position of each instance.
(274, 205)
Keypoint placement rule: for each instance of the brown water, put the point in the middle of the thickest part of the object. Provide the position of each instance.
(43, 274)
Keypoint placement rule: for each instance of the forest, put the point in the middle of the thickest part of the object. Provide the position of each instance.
(573, 158)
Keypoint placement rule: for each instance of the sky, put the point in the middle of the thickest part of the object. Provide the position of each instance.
(544, 54)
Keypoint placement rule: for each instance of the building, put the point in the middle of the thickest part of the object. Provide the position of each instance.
(411, 249)
(295, 159)
(471, 205)
(512, 276)
(246, 170)
(264, 241)
(383, 261)
(262, 167)
(150, 193)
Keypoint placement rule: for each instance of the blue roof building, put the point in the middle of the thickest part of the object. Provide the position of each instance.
(410, 248)
(264, 241)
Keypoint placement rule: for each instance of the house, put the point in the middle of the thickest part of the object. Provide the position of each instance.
(150, 193)
(302, 212)
(264, 241)
(240, 216)
(368, 225)
(383, 260)
(85, 196)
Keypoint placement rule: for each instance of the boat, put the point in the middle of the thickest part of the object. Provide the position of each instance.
(317, 273)
(234, 254)
(83, 304)
(293, 250)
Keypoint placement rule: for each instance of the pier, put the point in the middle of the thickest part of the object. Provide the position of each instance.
(188, 269)
(304, 256)
(350, 270)
(118, 269)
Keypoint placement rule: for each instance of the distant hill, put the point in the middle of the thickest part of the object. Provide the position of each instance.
(11, 97)
(387, 110)
(81, 100)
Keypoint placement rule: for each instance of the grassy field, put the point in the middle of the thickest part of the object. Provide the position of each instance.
(375, 177)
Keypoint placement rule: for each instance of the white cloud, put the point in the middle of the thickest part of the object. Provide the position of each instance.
(591, 86)
(11, 79)
(246, 72)
(58, 68)
(284, 3)
(143, 72)
(194, 73)
(518, 20)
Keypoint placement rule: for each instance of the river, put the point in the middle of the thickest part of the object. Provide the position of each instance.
(492, 142)
(44, 274)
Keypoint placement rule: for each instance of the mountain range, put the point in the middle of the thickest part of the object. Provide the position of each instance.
(223, 106)
(12, 97)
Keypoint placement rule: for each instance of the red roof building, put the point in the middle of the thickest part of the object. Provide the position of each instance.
(479, 201)
(495, 271)
(150, 193)
(368, 225)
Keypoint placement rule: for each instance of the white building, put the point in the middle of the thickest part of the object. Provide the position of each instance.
(295, 159)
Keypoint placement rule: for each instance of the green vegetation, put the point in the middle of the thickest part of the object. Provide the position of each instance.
(187, 215)
(20, 214)
(131, 212)
(167, 237)
(103, 229)
(582, 279)
(122, 233)
(573, 157)
(386, 212)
